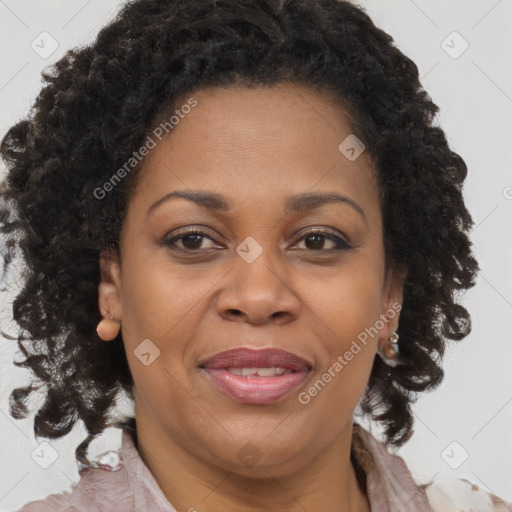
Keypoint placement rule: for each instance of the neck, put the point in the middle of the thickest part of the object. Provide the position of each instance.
(327, 482)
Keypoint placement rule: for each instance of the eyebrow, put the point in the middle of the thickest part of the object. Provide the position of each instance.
(294, 204)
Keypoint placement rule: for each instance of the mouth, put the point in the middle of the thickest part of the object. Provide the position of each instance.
(256, 376)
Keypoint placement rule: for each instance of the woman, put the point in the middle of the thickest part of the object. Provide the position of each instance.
(242, 215)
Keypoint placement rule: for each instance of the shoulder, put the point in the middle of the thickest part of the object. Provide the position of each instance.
(461, 495)
(97, 489)
(390, 482)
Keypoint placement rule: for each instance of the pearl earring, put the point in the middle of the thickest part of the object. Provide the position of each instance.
(108, 328)
(389, 352)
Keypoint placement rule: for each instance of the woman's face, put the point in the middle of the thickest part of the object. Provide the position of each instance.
(255, 279)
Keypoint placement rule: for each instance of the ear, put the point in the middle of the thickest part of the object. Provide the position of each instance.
(109, 288)
(392, 299)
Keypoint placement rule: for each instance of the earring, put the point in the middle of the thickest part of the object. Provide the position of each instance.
(108, 328)
(390, 352)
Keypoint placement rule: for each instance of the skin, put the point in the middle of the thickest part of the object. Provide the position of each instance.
(256, 147)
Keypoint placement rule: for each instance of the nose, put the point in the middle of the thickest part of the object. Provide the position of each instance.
(258, 292)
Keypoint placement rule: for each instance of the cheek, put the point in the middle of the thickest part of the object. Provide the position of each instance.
(157, 325)
(349, 299)
(158, 297)
(346, 308)
(162, 303)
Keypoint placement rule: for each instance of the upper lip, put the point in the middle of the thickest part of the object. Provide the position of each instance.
(256, 358)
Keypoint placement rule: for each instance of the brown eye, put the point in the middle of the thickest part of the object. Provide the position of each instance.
(316, 239)
(191, 240)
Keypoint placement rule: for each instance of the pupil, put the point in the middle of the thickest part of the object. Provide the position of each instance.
(195, 243)
(318, 241)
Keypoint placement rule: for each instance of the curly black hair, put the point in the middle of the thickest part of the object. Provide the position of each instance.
(98, 104)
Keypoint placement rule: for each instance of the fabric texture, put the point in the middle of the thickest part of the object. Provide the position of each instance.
(388, 482)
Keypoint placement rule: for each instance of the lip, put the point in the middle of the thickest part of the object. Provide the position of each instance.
(261, 358)
(256, 390)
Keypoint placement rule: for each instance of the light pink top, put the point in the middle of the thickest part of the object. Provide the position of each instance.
(389, 486)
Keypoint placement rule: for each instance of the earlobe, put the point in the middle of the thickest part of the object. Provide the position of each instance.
(109, 300)
(109, 297)
(393, 299)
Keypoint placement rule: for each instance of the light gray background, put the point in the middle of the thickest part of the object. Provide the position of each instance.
(473, 406)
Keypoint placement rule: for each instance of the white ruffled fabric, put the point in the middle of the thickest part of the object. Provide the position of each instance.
(461, 495)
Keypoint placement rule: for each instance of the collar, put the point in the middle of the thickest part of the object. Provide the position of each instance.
(389, 483)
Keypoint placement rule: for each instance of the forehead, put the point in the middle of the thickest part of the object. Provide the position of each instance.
(242, 142)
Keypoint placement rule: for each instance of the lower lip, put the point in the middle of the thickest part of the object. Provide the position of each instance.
(255, 390)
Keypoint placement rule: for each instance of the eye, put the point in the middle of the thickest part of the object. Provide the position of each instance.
(191, 240)
(317, 239)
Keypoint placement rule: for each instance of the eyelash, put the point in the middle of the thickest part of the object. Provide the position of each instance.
(341, 244)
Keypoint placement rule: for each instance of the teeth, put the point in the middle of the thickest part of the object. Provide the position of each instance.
(259, 372)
